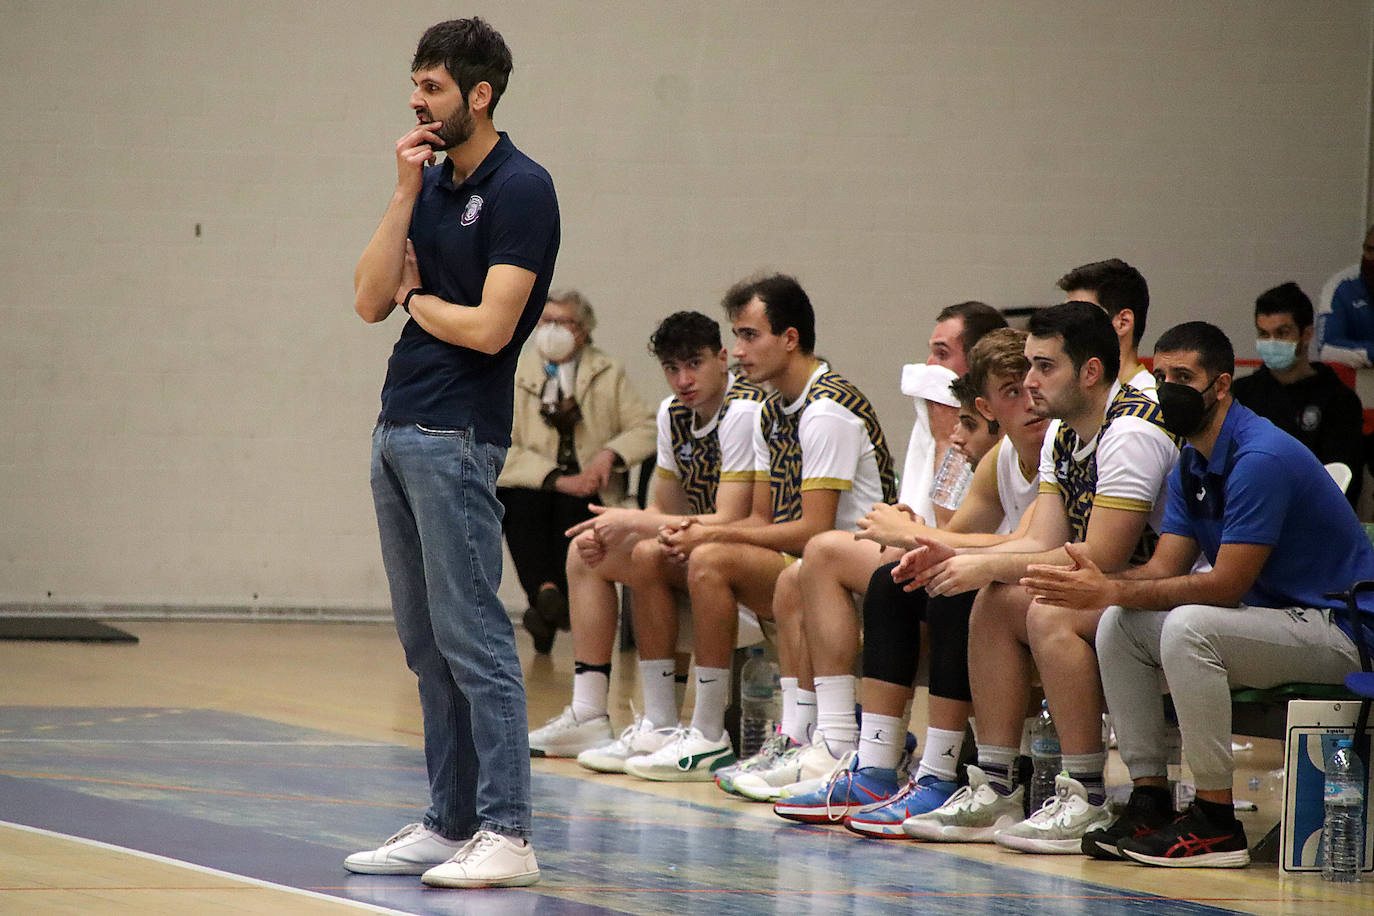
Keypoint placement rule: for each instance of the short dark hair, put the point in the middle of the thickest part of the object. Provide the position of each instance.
(968, 395)
(1209, 342)
(683, 335)
(1117, 285)
(784, 302)
(963, 389)
(1286, 299)
(471, 51)
(978, 317)
(1086, 332)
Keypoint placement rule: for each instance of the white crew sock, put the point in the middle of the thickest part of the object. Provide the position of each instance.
(798, 711)
(713, 694)
(590, 689)
(835, 710)
(881, 741)
(941, 755)
(658, 684)
(806, 716)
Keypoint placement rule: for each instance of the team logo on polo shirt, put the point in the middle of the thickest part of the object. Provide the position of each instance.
(470, 212)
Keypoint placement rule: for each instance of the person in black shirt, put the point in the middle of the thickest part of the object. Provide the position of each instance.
(467, 250)
(1307, 400)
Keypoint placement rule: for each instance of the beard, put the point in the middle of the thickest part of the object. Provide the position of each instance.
(1066, 404)
(457, 128)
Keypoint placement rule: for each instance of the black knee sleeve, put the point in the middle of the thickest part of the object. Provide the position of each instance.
(892, 629)
(947, 622)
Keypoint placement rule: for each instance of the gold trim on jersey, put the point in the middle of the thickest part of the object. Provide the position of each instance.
(781, 430)
(826, 483)
(698, 458)
(1076, 481)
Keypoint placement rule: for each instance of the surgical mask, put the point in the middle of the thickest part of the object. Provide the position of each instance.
(1183, 408)
(1278, 355)
(554, 342)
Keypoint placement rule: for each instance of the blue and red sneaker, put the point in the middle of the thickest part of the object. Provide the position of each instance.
(847, 790)
(884, 819)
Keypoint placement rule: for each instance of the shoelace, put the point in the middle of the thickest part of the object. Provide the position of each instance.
(481, 841)
(684, 735)
(401, 834)
(842, 775)
(672, 744)
(628, 733)
(961, 800)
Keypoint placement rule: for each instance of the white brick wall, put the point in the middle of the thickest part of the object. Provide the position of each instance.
(186, 419)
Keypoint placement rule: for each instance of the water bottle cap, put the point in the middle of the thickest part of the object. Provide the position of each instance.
(1045, 704)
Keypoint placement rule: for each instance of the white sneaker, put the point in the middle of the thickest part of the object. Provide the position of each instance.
(564, 736)
(487, 860)
(688, 756)
(1059, 825)
(811, 762)
(972, 815)
(635, 741)
(410, 851)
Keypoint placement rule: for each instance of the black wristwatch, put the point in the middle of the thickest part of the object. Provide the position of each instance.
(405, 303)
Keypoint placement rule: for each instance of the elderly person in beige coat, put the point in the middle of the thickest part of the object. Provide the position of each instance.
(578, 429)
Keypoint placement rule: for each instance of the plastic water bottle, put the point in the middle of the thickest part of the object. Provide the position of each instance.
(1343, 832)
(951, 479)
(1044, 746)
(758, 701)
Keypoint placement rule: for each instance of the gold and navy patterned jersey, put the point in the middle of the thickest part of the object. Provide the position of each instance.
(698, 458)
(782, 432)
(1077, 481)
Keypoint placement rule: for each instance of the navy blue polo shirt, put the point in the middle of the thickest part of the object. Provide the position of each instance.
(504, 213)
(1262, 486)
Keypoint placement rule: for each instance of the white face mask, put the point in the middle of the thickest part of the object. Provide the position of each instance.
(554, 342)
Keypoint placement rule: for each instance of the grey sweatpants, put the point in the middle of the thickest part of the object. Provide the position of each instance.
(1198, 653)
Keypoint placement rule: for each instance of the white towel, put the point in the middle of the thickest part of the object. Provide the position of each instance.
(923, 383)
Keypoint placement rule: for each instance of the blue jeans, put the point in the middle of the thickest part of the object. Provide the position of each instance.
(440, 526)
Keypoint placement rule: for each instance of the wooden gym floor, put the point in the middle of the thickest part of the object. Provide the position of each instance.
(226, 767)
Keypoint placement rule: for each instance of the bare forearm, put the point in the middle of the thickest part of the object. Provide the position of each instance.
(1163, 594)
(787, 537)
(461, 325)
(1011, 567)
(379, 268)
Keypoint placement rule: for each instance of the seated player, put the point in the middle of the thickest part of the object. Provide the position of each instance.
(994, 510)
(821, 460)
(705, 432)
(867, 773)
(1124, 295)
(813, 598)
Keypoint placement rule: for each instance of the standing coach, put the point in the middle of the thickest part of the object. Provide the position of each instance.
(467, 249)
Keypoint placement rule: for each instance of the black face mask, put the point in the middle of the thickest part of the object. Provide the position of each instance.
(1182, 406)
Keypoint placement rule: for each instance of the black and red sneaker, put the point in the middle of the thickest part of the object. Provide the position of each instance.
(1191, 841)
(1148, 809)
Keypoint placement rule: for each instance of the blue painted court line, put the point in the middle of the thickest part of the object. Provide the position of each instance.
(284, 805)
